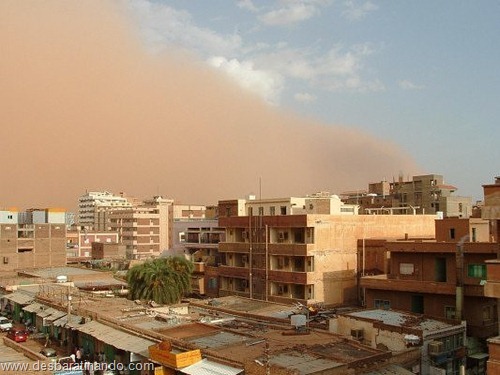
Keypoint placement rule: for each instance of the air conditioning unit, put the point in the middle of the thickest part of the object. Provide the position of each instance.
(435, 347)
(357, 333)
(281, 236)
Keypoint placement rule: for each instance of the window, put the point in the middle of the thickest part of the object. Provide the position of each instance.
(283, 210)
(406, 268)
(272, 211)
(476, 270)
(261, 211)
(488, 312)
(382, 304)
(440, 270)
(450, 312)
(474, 235)
(452, 233)
(460, 207)
(9, 217)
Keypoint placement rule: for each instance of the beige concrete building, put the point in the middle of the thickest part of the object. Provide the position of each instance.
(303, 257)
(146, 229)
(24, 244)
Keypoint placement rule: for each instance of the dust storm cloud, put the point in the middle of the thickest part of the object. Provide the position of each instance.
(85, 106)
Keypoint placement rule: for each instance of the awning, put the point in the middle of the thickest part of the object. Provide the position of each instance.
(206, 367)
(75, 321)
(116, 338)
(34, 307)
(19, 298)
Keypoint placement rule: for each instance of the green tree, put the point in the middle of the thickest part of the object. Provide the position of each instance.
(163, 280)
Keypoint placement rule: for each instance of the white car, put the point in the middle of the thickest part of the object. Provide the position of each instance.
(5, 324)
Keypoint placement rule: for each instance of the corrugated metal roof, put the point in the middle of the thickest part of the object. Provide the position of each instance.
(34, 307)
(115, 337)
(20, 298)
(391, 370)
(75, 321)
(400, 319)
(206, 367)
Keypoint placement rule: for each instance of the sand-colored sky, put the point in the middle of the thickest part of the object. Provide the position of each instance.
(85, 106)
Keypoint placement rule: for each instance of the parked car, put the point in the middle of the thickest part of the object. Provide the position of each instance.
(49, 353)
(18, 334)
(5, 324)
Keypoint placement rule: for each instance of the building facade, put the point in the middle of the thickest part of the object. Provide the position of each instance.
(282, 256)
(441, 342)
(146, 229)
(94, 208)
(26, 243)
(424, 194)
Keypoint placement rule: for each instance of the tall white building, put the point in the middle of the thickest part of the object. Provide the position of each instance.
(95, 206)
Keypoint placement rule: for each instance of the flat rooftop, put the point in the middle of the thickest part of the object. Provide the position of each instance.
(401, 319)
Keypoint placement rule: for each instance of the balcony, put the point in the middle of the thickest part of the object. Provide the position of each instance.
(227, 271)
(289, 277)
(291, 249)
(199, 267)
(382, 282)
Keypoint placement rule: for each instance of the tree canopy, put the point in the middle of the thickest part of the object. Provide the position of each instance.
(163, 280)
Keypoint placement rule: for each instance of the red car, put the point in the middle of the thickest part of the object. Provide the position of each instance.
(17, 334)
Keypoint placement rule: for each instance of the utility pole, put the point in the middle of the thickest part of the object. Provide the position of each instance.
(266, 353)
(68, 320)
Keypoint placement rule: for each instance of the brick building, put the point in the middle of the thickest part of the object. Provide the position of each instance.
(26, 243)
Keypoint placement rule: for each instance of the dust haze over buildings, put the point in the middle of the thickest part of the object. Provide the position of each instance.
(85, 106)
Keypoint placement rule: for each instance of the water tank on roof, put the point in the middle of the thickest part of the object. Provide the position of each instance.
(61, 279)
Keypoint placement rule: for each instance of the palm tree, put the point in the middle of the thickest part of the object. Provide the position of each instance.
(163, 280)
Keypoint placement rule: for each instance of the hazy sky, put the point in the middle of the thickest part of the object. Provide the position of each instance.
(200, 100)
(423, 74)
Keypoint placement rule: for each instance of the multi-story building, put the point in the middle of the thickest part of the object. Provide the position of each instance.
(198, 240)
(182, 212)
(94, 208)
(32, 239)
(300, 249)
(443, 278)
(422, 194)
(79, 242)
(146, 229)
(491, 212)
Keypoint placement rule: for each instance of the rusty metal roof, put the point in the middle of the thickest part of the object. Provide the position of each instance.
(117, 338)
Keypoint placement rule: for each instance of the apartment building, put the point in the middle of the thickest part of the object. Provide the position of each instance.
(145, 229)
(443, 278)
(422, 194)
(94, 208)
(491, 212)
(299, 249)
(198, 240)
(32, 239)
